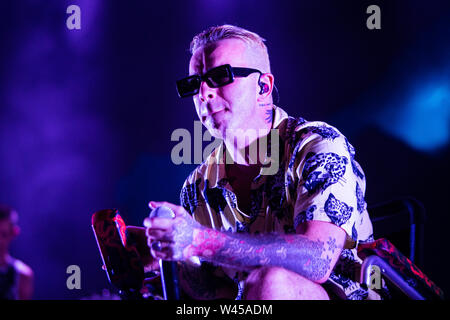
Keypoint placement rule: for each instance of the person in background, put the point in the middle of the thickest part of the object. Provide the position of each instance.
(16, 278)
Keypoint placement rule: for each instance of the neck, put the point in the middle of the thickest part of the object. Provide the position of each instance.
(245, 155)
(247, 147)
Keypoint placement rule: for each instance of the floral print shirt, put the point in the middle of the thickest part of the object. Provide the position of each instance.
(318, 178)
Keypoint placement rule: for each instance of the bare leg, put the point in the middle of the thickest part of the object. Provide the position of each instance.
(273, 283)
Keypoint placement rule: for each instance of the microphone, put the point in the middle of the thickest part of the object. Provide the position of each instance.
(169, 270)
(124, 266)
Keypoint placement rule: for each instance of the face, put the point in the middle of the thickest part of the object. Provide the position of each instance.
(233, 106)
(6, 234)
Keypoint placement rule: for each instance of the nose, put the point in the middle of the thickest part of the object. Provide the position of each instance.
(206, 93)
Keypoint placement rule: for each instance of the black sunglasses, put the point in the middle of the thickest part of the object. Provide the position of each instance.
(214, 78)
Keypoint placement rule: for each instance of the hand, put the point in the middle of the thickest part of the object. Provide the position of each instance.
(174, 235)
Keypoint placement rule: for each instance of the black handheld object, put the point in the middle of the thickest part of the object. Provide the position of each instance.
(169, 270)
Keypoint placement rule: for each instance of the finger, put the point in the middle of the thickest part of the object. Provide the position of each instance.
(154, 223)
(157, 235)
(147, 223)
(179, 211)
(160, 235)
(161, 223)
(154, 204)
(163, 251)
(152, 264)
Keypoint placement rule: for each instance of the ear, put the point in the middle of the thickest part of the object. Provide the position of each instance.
(268, 79)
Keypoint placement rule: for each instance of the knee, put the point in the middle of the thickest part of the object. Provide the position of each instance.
(263, 282)
(266, 276)
(273, 283)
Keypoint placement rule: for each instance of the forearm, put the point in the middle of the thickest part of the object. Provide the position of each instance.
(312, 259)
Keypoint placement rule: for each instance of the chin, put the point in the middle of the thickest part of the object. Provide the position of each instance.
(217, 130)
(217, 133)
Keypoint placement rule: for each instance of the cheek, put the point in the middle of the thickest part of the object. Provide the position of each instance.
(196, 101)
(239, 93)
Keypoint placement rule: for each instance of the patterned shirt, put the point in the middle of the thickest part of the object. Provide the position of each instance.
(317, 179)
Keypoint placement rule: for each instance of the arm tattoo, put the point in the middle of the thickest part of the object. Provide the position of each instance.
(297, 253)
(182, 234)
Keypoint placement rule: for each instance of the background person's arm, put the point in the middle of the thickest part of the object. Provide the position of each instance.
(25, 285)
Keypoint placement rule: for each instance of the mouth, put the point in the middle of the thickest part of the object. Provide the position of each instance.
(214, 115)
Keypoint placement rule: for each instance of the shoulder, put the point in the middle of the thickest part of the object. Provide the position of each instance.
(23, 269)
(319, 130)
(297, 129)
(318, 137)
(318, 144)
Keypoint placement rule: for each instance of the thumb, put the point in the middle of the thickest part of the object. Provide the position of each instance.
(152, 205)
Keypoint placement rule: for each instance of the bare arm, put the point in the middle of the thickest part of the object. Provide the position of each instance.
(25, 285)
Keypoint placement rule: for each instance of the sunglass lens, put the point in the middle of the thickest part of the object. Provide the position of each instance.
(188, 86)
(219, 77)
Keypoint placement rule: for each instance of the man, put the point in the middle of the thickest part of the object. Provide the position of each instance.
(290, 234)
(16, 278)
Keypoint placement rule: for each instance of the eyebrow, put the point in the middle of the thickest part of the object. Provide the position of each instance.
(195, 67)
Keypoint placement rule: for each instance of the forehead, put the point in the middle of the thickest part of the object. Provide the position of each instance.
(229, 51)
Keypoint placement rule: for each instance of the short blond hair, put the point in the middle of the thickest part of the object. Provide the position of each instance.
(227, 31)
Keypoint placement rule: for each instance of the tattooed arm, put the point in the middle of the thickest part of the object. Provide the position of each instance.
(312, 254)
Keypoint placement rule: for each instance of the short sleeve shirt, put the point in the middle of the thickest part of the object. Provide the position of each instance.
(317, 178)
